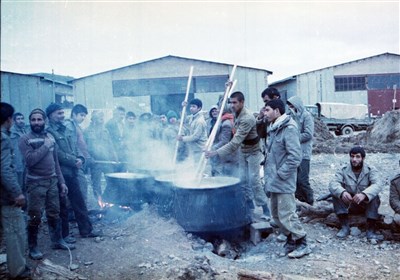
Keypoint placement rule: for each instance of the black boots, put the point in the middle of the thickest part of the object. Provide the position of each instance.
(345, 229)
(371, 231)
(290, 244)
(301, 248)
(34, 252)
(57, 242)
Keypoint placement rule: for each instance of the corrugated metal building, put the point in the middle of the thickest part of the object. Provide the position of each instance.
(159, 85)
(29, 91)
(373, 81)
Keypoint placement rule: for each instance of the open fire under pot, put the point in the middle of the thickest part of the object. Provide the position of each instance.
(216, 205)
(128, 189)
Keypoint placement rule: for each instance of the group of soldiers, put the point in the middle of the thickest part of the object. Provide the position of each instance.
(55, 152)
(279, 139)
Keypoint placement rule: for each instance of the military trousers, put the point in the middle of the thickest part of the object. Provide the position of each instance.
(249, 164)
(14, 228)
(368, 208)
(283, 210)
(43, 194)
(78, 206)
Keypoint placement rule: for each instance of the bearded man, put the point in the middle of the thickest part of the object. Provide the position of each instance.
(355, 190)
(44, 183)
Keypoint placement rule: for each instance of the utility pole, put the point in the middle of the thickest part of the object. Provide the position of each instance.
(53, 86)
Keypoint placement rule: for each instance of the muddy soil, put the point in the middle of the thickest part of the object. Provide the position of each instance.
(143, 245)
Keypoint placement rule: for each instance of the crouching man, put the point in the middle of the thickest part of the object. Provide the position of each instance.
(283, 157)
(394, 197)
(355, 190)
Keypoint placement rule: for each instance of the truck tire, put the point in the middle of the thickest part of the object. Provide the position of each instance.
(347, 131)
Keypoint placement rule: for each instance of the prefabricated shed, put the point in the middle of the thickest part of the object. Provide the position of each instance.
(160, 84)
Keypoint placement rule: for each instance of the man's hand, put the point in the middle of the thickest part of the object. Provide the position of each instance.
(79, 163)
(346, 197)
(261, 114)
(358, 198)
(49, 142)
(184, 103)
(210, 154)
(63, 190)
(20, 200)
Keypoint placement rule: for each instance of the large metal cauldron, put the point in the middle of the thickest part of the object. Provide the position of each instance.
(217, 204)
(128, 189)
(163, 197)
(151, 170)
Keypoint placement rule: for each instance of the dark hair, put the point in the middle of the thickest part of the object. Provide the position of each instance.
(130, 114)
(119, 108)
(17, 114)
(238, 95)
(357, 150)
(271, 92)
(276, 103)
(79, 108)
(6, 111)
(196, 102)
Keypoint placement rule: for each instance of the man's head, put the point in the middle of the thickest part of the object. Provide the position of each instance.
(37, 119)
(270, 93)
(163, 119)
(79, 113)
(130, 118)
(6, 113)
(97, 117)
(274, 109)
(214, 111)
(195, 106)
(357, 155)
(119, 113)
(236, 100)
(55, 113)
(19, 120)
(172, 116)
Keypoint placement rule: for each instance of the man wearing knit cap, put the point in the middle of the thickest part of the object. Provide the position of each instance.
(197, 136)
(70, 162)
(44, 183)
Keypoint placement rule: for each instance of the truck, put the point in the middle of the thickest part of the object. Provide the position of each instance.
(342, 118)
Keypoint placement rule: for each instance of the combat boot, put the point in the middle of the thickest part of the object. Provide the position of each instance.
(34, 252)
(371, 231)
(290, 245)
(345, 229)
(57, 242)
(301, 250)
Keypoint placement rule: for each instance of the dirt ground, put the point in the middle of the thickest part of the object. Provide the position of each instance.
(144, 245)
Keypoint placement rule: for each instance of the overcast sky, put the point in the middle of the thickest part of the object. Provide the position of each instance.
(79, 38)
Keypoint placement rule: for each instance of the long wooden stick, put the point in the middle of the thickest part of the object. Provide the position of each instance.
(203, 159)
(183, 114)
(211, 138)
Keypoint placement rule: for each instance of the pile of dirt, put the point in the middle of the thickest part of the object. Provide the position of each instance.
(386, 130)
(383, 137)
(321, 131)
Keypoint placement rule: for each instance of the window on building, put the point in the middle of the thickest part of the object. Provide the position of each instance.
(383, 81)
(350, 83)
(163, 86)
